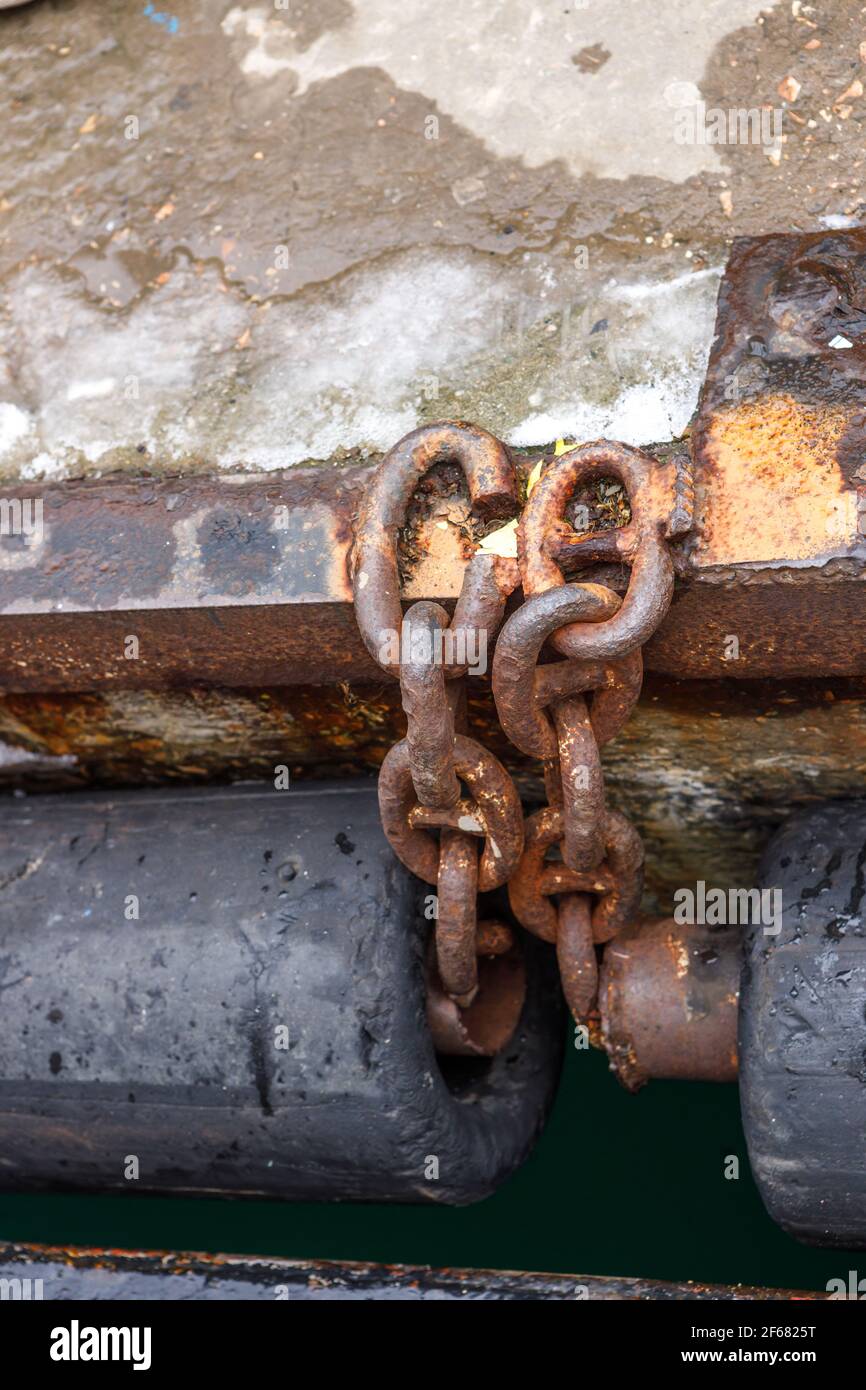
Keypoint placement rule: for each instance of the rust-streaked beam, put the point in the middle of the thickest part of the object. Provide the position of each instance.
(242, 580)
(234, 581)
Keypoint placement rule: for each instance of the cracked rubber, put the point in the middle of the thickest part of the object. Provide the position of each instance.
(803, 1030)
(156, 1039)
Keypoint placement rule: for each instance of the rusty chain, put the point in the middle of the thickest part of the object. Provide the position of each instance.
(562, 712)
(474, 1003)
(565, 711)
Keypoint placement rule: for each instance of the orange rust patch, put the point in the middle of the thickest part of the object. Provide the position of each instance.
(440, 547)
(773, 490)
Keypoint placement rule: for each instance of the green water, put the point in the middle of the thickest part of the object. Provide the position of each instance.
(619, 1184)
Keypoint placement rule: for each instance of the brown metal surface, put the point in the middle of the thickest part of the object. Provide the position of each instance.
(668, 1001)
(780, 436)
(429, 712)
(220, 580)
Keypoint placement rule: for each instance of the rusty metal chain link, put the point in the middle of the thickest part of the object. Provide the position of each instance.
(565, 711)
(439, 781)
(473, 1004)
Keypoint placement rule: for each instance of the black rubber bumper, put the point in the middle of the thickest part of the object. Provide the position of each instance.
(803, 1030)
(222, 991)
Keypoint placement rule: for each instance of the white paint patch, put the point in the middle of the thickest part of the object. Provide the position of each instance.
(352, 364)
(638, 415)
(42, 465)
(101, 382)
(839, 221)
(643, 384)
(506, 71)
(354, 367)
(91, 390)
(14, 425)
(664, 289)
(265, 58)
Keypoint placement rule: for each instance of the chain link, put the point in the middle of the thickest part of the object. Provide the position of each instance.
(421, 777)
(564, 712)
(438, 779)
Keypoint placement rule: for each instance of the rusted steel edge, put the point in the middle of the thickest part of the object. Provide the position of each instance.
(668, 999)
(243, 581)
(71, 1274)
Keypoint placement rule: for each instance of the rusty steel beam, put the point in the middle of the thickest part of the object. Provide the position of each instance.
(244, 583)
(243, 580)
(70, 1274)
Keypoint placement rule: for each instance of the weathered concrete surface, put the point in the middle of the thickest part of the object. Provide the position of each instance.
(283, 264)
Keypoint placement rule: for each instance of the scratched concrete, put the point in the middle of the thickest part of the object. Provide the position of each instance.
(244, 235)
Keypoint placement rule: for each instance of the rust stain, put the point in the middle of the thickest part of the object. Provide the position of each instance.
(775, 493)
(779, 439)
(679, 954)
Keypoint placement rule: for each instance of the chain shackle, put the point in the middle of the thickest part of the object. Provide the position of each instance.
(452, 863)
(572, 924)
(546, 542)
(493, 492)
(493, 813)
